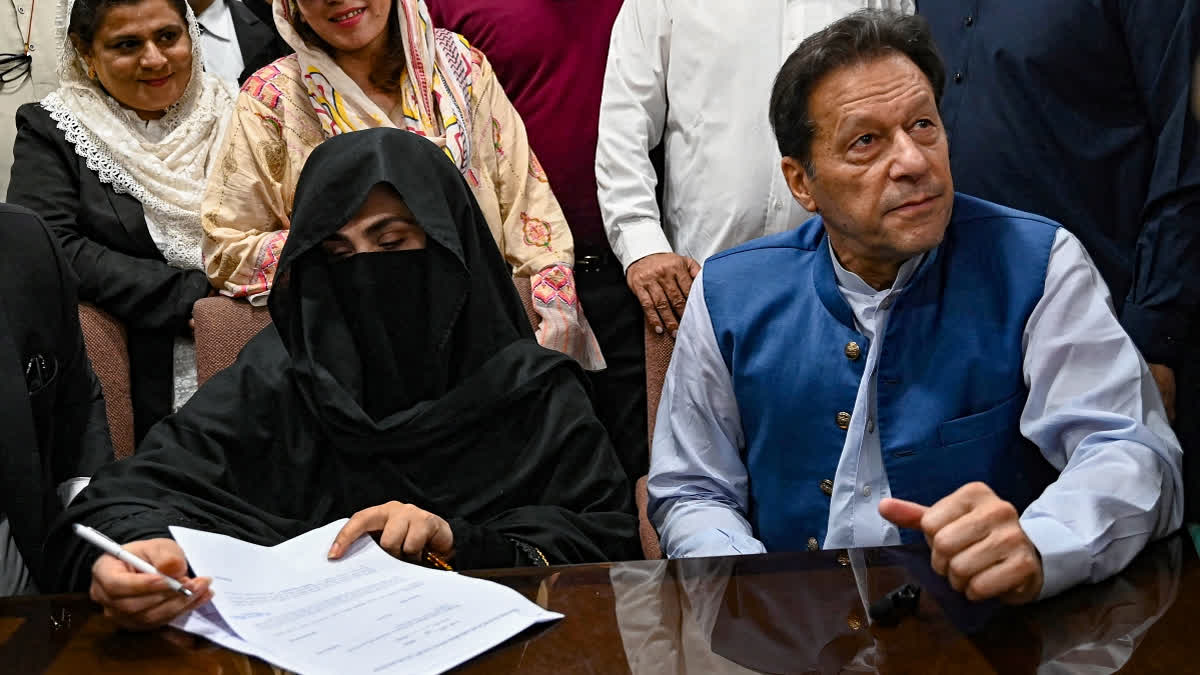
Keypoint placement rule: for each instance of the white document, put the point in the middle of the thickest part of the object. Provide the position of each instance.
(364, 613)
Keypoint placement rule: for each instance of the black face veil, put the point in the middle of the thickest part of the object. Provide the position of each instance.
(469, 419)
(373, 336)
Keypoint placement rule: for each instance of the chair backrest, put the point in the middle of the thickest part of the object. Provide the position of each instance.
(658, 357)
(224, 325)
(108, 350)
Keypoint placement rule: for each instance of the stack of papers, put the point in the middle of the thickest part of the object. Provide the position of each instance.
(366, 612)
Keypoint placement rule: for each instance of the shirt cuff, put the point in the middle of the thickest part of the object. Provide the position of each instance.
(259, 299)
(70, 488)
(1066, 560)
(1159, 335)
(637, 239)
(716, 542)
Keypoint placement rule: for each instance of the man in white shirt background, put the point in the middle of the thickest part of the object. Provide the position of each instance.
(696, 75)
(235, 40)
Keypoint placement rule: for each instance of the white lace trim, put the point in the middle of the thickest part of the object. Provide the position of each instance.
(184, 377)
(180, 232)
(164, 165)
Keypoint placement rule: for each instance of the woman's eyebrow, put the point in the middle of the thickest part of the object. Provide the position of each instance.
(377, 226)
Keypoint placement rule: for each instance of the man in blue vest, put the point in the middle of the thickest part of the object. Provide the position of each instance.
(911, 361)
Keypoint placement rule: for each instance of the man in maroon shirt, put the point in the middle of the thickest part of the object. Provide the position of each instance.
(550, 57)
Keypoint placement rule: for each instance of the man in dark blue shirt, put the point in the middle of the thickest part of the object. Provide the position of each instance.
(1078, 110)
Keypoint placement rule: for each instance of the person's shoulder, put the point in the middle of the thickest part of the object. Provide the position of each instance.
(34, 114)
(20, 222)
(24, 240)
(806, 237)
(467, 64)
(270, 84)
(968, 209)
(260, 370)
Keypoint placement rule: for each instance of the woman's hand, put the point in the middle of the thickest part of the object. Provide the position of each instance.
(140, 601)
(407, 531)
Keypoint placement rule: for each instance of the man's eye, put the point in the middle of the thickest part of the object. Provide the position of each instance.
(863, 141)
(393, 243)
(924, 124)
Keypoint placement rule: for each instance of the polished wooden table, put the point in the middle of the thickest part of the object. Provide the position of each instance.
(778, 613)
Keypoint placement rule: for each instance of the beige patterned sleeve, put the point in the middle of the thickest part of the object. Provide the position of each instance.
(249, 198)
(532, 232)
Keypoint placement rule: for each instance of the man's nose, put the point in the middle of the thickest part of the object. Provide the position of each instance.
(909, 159)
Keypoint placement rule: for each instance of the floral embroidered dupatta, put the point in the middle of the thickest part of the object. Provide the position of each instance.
(435, 98)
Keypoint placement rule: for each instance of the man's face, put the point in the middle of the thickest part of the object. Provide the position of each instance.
(882, 166)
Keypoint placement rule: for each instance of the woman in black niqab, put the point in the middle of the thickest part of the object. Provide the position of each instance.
(409, 376)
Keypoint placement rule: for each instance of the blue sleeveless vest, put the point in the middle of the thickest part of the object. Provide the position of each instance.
(950, 387)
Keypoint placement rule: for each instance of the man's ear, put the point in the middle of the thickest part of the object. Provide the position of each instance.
(799, 182)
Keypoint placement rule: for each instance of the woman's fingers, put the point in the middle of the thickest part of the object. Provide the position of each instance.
(368, 520)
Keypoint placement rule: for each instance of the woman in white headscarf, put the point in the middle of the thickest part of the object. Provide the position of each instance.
(361, 64)
(116, 161)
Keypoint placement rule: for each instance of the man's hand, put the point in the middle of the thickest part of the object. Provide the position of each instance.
(661, 282)
(407, 531)
(140, 601)
(1165, 378)
(976, 541)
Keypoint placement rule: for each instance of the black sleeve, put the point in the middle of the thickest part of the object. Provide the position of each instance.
(1162, 38)
(580, 503)
(82, 443)
(142, 292)
(214, 465)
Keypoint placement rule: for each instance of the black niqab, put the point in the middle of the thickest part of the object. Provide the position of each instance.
(473, 310)
(390, 340)
(483, 426)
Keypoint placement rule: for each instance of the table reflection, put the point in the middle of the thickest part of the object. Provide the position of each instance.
(756, 615)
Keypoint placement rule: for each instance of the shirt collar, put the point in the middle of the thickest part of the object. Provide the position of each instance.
(849, 281)
(217, 21)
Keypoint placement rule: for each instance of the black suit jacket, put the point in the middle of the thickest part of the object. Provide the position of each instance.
(108, 246)
(257, 38)
(54, 424)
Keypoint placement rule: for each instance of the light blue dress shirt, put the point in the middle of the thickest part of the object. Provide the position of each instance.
(1093, 410)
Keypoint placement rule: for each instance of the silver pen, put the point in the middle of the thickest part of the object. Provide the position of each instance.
(97, 538)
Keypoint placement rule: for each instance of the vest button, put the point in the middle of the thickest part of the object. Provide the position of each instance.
(827, 487)
(844, 559)
(843, 420)
(852, 351)
(812, 544)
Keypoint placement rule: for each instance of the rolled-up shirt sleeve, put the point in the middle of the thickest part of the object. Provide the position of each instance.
(1096, 414)
(698, 485)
